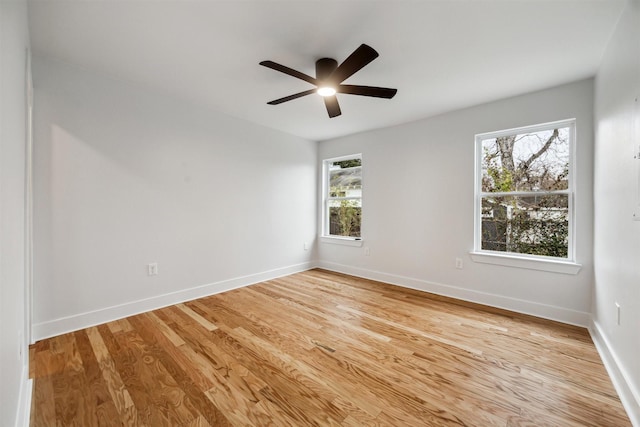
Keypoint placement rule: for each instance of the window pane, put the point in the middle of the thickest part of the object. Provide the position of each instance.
(344, 217)
(535, 225)
(345, 180)
(536, 161)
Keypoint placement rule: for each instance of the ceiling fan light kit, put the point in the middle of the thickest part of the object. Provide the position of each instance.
(326, 91)
(329, 78)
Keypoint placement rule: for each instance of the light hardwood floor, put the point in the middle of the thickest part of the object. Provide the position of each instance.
(325, 349)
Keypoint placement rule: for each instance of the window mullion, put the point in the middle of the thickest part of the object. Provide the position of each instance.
(345, 198)
(525, 193)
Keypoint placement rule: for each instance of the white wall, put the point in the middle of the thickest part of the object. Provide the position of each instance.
(125, 176)
(418, 202)
(617, 195)
(14, 42)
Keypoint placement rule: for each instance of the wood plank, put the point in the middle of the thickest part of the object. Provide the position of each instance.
(119, 394)
(178, 369)
(326, 349)
(43, 411)
(198, 318)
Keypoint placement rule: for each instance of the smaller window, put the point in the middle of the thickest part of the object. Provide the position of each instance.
(524, 191)
(342, 212)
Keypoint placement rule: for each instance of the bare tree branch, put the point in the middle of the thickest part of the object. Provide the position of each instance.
(525, 165)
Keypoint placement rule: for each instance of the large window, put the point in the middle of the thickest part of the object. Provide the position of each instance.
(524, 191)
(343, 197)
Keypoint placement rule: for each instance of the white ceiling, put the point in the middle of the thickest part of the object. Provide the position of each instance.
(440, 55)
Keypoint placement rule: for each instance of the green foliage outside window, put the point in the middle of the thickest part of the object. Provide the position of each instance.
(344, 197)
(535, 167)
(345, 219)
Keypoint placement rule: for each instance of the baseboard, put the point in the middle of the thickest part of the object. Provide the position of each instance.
(544, 311)
(629, 395)
(23, 416)
(84, 320)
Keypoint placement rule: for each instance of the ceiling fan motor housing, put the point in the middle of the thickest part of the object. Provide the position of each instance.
(324, 68)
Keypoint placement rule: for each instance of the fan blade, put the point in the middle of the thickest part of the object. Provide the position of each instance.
(378, 92)
(356, 61)
(333, 108)
(289, 71)
(290, 97)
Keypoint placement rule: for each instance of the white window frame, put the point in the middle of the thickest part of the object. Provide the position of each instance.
(325, 237)
(511, 259)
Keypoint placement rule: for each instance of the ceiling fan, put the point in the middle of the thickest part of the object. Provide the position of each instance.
(329, 78)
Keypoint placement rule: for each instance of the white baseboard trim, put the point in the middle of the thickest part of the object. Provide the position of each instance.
(544, 311)
(23, 416)
(628, 393)
(84, 320)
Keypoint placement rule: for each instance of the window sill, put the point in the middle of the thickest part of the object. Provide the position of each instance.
(551, 265)
(346, 241)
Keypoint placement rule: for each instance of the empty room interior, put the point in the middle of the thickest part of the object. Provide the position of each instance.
(322, 213)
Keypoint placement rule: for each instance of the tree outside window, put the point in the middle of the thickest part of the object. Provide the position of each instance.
(343, 201)
(525, 190)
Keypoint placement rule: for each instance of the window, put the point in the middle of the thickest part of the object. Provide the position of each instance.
(524, 191)
(342, 191)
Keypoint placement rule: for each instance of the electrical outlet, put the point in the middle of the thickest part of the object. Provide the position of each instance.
(305, 246)
(459, 264)
(152, 269)
(367, 251)
(618, 313)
